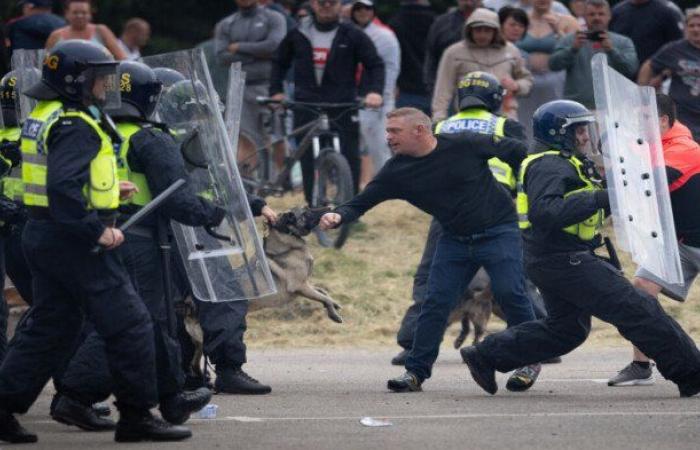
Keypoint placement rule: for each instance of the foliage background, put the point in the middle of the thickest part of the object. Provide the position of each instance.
(184, 23)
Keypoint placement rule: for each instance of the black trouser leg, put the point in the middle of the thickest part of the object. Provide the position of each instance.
(224, 325)
(87, 377)
(4, 310)
(17, 266)
(592, 286)
(66, 279)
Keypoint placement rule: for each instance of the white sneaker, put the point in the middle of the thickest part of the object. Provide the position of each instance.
(633, 375)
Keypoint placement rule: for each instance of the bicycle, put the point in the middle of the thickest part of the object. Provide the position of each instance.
(333, 183)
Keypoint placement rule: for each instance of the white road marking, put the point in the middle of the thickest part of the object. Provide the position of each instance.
(465, 416)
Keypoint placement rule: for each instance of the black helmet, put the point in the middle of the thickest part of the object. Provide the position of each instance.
(9, 95)
(183, 101)
(552, 123)
(480, 90)
(139, 89)
(168, 76)
(70, 70)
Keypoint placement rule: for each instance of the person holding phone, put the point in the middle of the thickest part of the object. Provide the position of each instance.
(574, 52)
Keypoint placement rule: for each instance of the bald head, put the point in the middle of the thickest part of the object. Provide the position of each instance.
(136, 33)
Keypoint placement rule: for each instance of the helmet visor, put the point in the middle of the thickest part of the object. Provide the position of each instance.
(588, 142)
(102, 85)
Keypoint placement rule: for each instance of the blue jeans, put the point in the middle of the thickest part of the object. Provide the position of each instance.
(456, 261)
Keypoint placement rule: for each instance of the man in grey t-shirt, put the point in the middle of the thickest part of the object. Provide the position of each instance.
(250, 36)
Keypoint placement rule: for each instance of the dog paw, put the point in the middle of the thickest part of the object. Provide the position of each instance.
(334, 316)
(458, 342)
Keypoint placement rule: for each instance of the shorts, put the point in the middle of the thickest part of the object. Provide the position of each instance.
(690, 266)
(252, 114)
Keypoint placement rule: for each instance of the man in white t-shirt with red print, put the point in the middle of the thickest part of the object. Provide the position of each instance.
(325, 55)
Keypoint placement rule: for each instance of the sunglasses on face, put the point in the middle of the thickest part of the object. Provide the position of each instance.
(328, 2)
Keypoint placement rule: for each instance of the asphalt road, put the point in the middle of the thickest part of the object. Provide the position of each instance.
(320, 395)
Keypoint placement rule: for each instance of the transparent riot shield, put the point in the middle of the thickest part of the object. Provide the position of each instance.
(21, 60)
(234, 103)
(635, 171)
(227, 262)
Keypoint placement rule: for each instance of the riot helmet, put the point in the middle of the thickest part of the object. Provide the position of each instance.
(184, 101)
(79, 71)
(480, 90)
(555, 125)
(168, 76)
(140, 90)
(8, 96)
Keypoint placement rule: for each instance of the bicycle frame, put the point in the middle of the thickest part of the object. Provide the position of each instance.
(314, 132)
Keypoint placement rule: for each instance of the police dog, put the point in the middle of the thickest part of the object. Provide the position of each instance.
(291, 262)
(475, 308)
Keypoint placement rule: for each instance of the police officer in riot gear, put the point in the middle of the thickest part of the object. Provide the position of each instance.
(480, 96)
(223, 323)
(14, 216)
(561, 207)
(9, 151)
(150, 159)
(72, 194)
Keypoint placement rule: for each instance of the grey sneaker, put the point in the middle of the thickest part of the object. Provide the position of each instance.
(523, 378)
(408, 382)
(633, 375)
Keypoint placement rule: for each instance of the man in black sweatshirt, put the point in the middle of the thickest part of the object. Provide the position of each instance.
(324, 55)
(561, 208)
(448, 177)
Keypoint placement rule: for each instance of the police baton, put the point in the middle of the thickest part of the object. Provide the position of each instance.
(145, 211)
(612, 253)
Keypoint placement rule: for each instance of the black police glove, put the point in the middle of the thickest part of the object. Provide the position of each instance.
(10, 150)
(602, 199)
(11, 212)
(217, 217)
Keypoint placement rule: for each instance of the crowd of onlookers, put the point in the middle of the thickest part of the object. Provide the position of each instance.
(339, 50)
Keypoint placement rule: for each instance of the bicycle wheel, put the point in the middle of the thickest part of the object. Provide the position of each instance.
(253, 165)
(333, 188)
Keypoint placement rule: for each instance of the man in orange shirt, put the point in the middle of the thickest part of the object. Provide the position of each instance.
(682, 158)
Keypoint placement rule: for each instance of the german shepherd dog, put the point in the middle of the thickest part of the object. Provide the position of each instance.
(291, 262)
(291, 265)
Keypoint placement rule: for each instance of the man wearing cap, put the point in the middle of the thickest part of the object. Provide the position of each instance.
(372, 141)
(31, 30)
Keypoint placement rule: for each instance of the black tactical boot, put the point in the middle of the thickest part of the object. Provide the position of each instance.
(481, 370)
(11, 431)
(233, 380)
(177, 408)
(69, 411)
(142, 426)
(400, 358)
